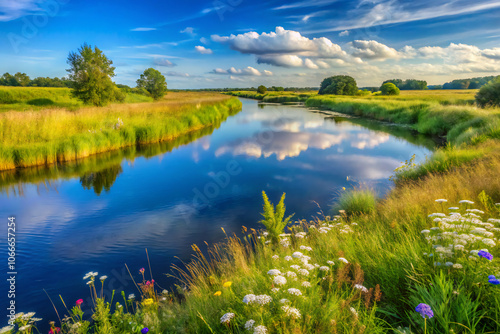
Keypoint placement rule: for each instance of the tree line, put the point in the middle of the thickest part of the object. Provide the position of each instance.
(23, 80)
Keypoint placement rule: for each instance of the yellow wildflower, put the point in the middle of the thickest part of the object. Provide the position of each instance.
(227, 284)
(147, 302)
(218, 293)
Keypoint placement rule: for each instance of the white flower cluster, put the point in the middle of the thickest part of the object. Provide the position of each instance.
(361, 287)
(274, 272)
(307, 248)
(226, 318)
(279, 280)
(306, 284)
(295, 292)
(291, 312)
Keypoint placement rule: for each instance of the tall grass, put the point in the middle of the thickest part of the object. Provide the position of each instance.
(356, 201)
(56, 135)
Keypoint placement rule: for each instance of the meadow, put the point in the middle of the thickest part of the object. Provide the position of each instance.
(424, 259)
(54, 134)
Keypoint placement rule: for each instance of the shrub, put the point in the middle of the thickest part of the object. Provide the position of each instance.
(389, 89)
(489, 94)
(339, 85)
(261, 89)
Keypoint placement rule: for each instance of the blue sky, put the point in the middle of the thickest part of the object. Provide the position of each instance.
(242, 43)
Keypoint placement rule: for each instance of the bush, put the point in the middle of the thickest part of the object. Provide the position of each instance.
(261, 89)
(389, 89)
(339, 85)
(489, 94)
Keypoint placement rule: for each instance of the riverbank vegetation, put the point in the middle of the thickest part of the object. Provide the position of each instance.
(53, 135)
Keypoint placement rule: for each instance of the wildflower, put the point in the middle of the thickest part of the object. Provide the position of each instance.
(457, 266)
(249, 324)
(285, 243)
(218, 293)
(297, 255)
(24, 328)
(284, 301)
(291, 312)
(53, 330)
(226, 318)
(489, 242)
(485, 254)
(343, 260)
(248, 299)
(260, 330)
(147, 302)
(425, 231)
(294, 266)
(90, 274)
(330, 263)
(436, 215)
(361, 287)
(144, 330)
(424, 310)
(227, 284)
(324, 268)
(103, 278)
(131, 296)
(453, 208)
(295, 292)
(275, 290)
(288, 258)
(263, 299)
(306, 284)
(353, 311)
(279, 280)
(274, 272)
(79, 302)
(493, 280)
(275, 257)
(141, 270)
(306, 248)
(291, 274)
(6, 329)
(441, 200)
(465, 201)
(304, 272)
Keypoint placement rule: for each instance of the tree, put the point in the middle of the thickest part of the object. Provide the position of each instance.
(154, 82)
(489, 94)
(389, 89)
(261, 89)
(91, 73)
(339, 85)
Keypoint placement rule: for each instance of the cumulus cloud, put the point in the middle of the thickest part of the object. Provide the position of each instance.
(164, 62)
(203, 50)
(248, 71)
(373, 50)
(344, 33)
(281, 60)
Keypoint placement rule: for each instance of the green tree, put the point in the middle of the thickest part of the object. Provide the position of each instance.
(261, 89)
(22, 78)
(154, 82)
(389, 89)
(339, 85)
(489, 94)
(91, 74)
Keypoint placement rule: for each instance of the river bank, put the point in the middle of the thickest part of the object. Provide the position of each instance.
(44, 137)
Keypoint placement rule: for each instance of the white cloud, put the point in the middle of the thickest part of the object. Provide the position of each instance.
(177, 74)
(188, 30)
(281, 60)
(310, 64)
(164, 62)
(492, 53)
(204, 40)
(11, 10)
(248, 71)
(344, 33)
(373, 50)
(143, 29)
(203, 50)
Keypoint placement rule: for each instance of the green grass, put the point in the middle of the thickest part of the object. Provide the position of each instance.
(31, 138)
(357, 201)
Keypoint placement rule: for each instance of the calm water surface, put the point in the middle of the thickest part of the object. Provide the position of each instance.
(102, 212)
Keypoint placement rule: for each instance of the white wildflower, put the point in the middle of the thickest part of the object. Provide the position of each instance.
(453, 208)
(102, 278)
(441, 200)
(131, 296)
(284, 301)
(304, 272)
(279, 280)
(465, 201)
(330, 262)
(291, 312)
(226, 318)
(6, 329)
(295, 266)
(275, 257)
(260, 330)
(425, 231)
(354, 312)
(343, 260)
(248, 299)
(285, 243)
(324, 268)
(288, 258)
(24, 328)
(295, 292)
(275, 290)
(291, 274)
(274, 272)
(361, 287)
(249, 324)
(309, 266)
(263, 299)
(297, 255)
(307, 248)
(306, 284)
(457, 266)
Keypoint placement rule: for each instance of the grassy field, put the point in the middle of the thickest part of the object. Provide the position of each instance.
(38, 98)
(42, 137)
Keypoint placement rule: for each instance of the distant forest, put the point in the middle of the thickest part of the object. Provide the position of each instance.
(23, 80)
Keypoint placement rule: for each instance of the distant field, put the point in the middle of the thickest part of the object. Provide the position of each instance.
(36, 98)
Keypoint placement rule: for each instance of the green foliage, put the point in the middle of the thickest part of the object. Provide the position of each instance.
(489, 94)
(356, 201)
(153, 82)
(91, 71)
(273, 217)
(410, 84)
(389, 89)
(338, 85)
(472, 83)
(261, 89)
